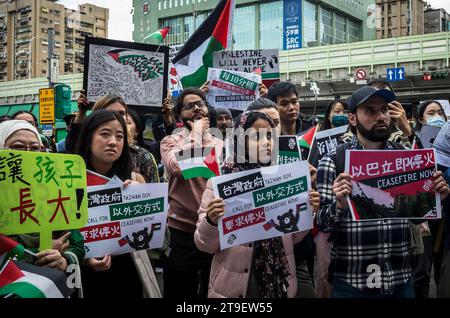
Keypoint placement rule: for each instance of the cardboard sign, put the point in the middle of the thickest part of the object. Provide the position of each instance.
(325, 142)
(41, 193)
(125, 220)
(264, 203)
(392, 184)
(248, 61)
(135, 71)
(230, 89)
(428, 135)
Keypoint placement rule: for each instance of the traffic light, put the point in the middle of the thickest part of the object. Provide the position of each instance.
(436, 75)
(63, 100)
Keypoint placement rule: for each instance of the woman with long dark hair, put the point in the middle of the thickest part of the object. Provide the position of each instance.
(103, 144)
(264, 268)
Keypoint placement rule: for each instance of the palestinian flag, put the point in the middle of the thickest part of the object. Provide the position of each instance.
(158, 37)
(94, 179)
(305, 141)
(9, 249)
(198, 163)
(29, 281)
(212, 35)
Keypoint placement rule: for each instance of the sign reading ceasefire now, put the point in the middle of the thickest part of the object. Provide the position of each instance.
(47, 106)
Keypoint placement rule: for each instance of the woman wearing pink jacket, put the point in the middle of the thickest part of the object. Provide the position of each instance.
(265, 268)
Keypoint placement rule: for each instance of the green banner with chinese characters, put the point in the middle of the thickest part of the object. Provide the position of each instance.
(41, 192)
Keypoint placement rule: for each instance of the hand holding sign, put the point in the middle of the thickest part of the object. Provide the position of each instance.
(41, 193)
(342, 187)
(216, 209)
(440, 185)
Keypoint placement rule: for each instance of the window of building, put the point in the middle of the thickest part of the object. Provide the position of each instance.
(174, 35)
(353, 31)
(271, 17)
(170, 4)
(326, 26)
(189, 26)
(176, 3)
(181, 3)
(159, 5)
(165, 4)
(309, 24)
(339, 31)
(244, 37)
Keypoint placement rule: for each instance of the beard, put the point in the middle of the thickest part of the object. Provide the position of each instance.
(196, 116)
(373, 134)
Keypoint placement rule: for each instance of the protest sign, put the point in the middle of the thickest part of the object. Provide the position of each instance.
(264, 203)
(427, 135)
(41, 193)
(135, 71)
(231, 89)
(125, 220)
(248, 61)
(288, 150)
(325, 142)
(392, 184)
(442, 146)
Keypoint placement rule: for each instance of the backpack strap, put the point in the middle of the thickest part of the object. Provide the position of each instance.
(339, 157)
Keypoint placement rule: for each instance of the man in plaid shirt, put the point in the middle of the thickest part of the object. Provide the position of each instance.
(369, 258)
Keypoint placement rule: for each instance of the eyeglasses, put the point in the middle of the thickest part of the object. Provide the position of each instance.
(190, 106)
(19, 147)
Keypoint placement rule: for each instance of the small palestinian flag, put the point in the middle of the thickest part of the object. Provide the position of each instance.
(302, 207)
(9, 249)
(94, 179)
(157, 37)
(305, 141)
(28, 281)
(198, 163)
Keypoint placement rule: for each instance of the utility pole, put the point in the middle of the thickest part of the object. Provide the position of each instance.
(51, 35)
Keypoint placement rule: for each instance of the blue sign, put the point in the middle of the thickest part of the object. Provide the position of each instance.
(395, 74)
(292, 24)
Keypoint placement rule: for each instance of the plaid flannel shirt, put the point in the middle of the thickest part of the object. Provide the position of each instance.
(362, 249)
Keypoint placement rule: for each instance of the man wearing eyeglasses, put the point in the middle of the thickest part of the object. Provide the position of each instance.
(186, 270)
(285, 95)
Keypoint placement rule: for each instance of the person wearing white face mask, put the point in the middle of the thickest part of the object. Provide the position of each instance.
(429, 113)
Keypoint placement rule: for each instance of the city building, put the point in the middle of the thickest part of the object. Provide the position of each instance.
(24, 28)
(436, 20)
(399, 18)
(258, 24)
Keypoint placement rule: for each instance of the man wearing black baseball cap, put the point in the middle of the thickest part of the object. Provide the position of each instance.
(369, 258)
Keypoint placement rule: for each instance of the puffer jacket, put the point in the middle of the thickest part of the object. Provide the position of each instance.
(230, 269)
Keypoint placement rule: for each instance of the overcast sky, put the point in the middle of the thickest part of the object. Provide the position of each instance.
(121, 22)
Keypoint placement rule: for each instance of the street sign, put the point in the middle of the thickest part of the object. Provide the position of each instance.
(47, 106)
(361, 82)
(54, 70)
(47, 130)
(395, 74)
(361, 74)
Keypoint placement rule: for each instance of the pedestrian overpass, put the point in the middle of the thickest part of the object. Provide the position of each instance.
(332, 67)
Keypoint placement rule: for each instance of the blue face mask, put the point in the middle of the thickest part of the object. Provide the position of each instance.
(436, 121)
(339, 120)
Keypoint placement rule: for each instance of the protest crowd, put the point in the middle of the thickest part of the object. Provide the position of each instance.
(362, 225)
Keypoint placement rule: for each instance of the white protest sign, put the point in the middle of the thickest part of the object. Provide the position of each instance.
(124, 220)
(249, 60)
(264, 203)
(231, 89)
